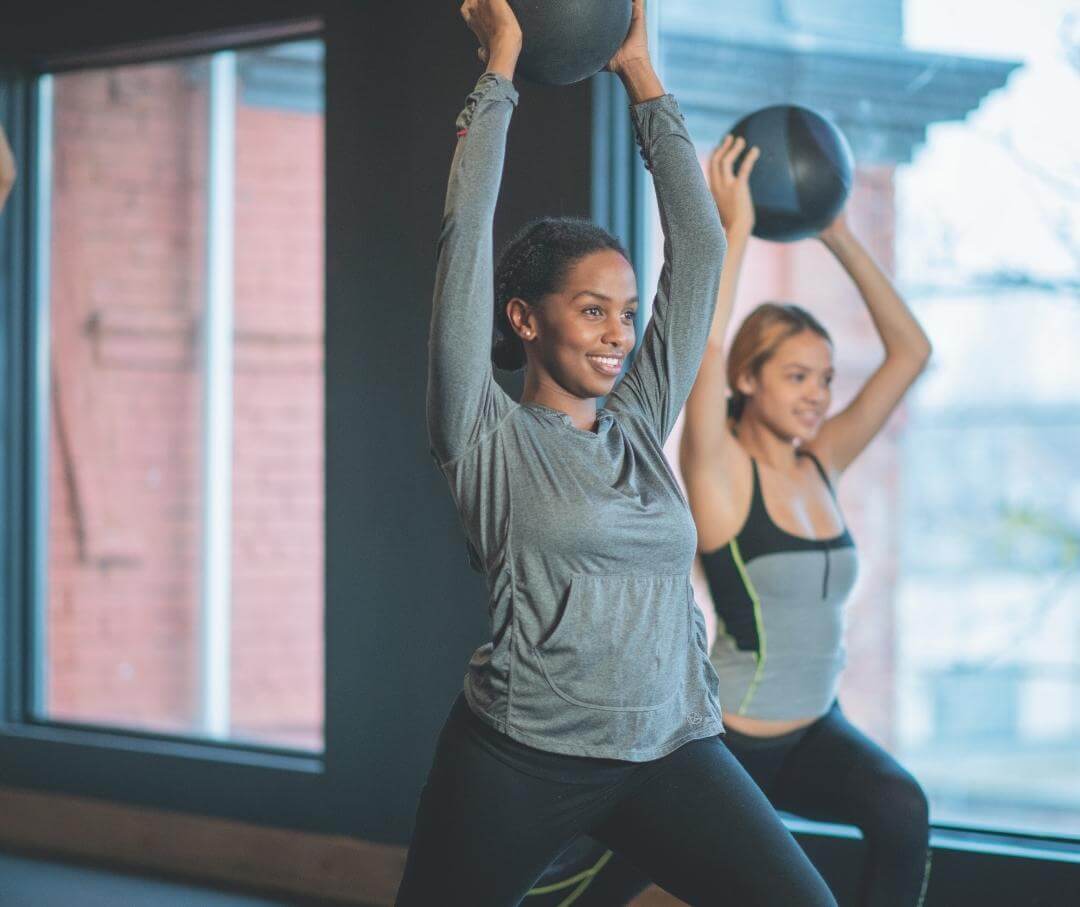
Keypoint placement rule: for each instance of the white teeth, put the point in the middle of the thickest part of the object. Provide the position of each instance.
(611, 361)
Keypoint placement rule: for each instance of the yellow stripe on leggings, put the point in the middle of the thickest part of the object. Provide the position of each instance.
(926, 877)
(585, 877)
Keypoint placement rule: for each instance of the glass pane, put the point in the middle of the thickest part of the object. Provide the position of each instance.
(185, 484)
(964, 629)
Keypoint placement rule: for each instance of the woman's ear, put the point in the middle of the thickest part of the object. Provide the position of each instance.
(522, 318)
(746, 384)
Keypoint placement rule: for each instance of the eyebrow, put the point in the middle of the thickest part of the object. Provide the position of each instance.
(633, 299)
(808, 368)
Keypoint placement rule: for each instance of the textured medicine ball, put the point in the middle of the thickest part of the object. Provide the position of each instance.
(565, 41)
(804, 174)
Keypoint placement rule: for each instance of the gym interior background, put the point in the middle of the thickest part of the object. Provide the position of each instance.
(236, 603)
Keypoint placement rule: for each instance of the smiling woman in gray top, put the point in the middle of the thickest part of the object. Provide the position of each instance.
(579, 526)
(593, 707)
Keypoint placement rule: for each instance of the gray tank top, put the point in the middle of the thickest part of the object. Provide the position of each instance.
(779, 602)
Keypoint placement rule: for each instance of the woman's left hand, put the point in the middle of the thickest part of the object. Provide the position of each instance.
(731, 190)
(635, 48)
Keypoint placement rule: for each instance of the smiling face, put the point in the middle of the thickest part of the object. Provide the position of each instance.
(792, 390)
(580, 334)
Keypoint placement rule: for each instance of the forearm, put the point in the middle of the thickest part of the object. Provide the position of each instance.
(688, 215)
(694, 246)
(503, 57)
(641, 81)
(461, 324)
(897, 327)
(729, 285)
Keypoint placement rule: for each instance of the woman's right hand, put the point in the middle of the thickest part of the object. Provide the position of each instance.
(731, 190)
(497, 29)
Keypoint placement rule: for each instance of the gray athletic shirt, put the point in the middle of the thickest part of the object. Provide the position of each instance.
(597, 647)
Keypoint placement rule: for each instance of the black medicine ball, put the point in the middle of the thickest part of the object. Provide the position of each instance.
(565, 41)
(804, 174)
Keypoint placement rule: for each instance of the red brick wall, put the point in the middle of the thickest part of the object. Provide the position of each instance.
(124, 484)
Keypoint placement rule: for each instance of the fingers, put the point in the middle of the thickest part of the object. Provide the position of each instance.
(716, 170)
(748, 164)
(724, 158)
(727, 161)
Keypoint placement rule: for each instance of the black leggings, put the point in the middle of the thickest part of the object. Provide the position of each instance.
(832, 772)
(494, 813)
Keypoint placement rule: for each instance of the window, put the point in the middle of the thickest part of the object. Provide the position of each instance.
(181, 586)
(964, 629)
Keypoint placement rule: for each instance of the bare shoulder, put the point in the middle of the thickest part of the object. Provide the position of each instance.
(820, 453)
(719, 490)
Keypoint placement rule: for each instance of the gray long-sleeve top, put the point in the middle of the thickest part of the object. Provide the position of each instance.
(597, 647)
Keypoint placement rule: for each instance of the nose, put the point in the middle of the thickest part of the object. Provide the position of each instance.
(816, 391)
(617, 333)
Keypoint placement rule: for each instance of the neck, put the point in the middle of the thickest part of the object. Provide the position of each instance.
(764, 445)
(542, 390)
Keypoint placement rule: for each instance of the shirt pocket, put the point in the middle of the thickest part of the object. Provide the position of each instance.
(622, 642)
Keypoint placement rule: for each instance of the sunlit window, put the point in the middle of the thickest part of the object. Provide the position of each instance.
(964, 629)
(183, 399)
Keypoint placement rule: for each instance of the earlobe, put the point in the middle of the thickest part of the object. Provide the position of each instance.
(520, 315)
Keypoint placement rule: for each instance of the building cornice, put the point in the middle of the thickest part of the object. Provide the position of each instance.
(882, 97)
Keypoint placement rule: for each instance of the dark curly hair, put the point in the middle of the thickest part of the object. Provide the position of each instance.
(532, 265)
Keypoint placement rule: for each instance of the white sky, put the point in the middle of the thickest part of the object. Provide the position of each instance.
(968, 204)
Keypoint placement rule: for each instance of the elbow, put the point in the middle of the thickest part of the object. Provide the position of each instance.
(710, 243)
(704, 231)
(923, 353)
(915, 357)
(719, 247)
(716, 237)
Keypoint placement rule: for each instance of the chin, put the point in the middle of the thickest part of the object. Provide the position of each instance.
(598, 393)
(595, 386)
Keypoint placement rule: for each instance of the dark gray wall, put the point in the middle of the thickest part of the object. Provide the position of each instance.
(397, 554)
(403, 610)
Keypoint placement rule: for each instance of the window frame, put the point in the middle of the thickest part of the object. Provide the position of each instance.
(223, 778)
(614, 149)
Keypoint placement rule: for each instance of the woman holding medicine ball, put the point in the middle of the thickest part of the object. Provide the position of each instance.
(761, 459)
(584, 539)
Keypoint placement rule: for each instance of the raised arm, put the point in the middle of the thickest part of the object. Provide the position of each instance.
(7, 168)
(667, 360)
(907, 350)
(463, 399)
(707, 443)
